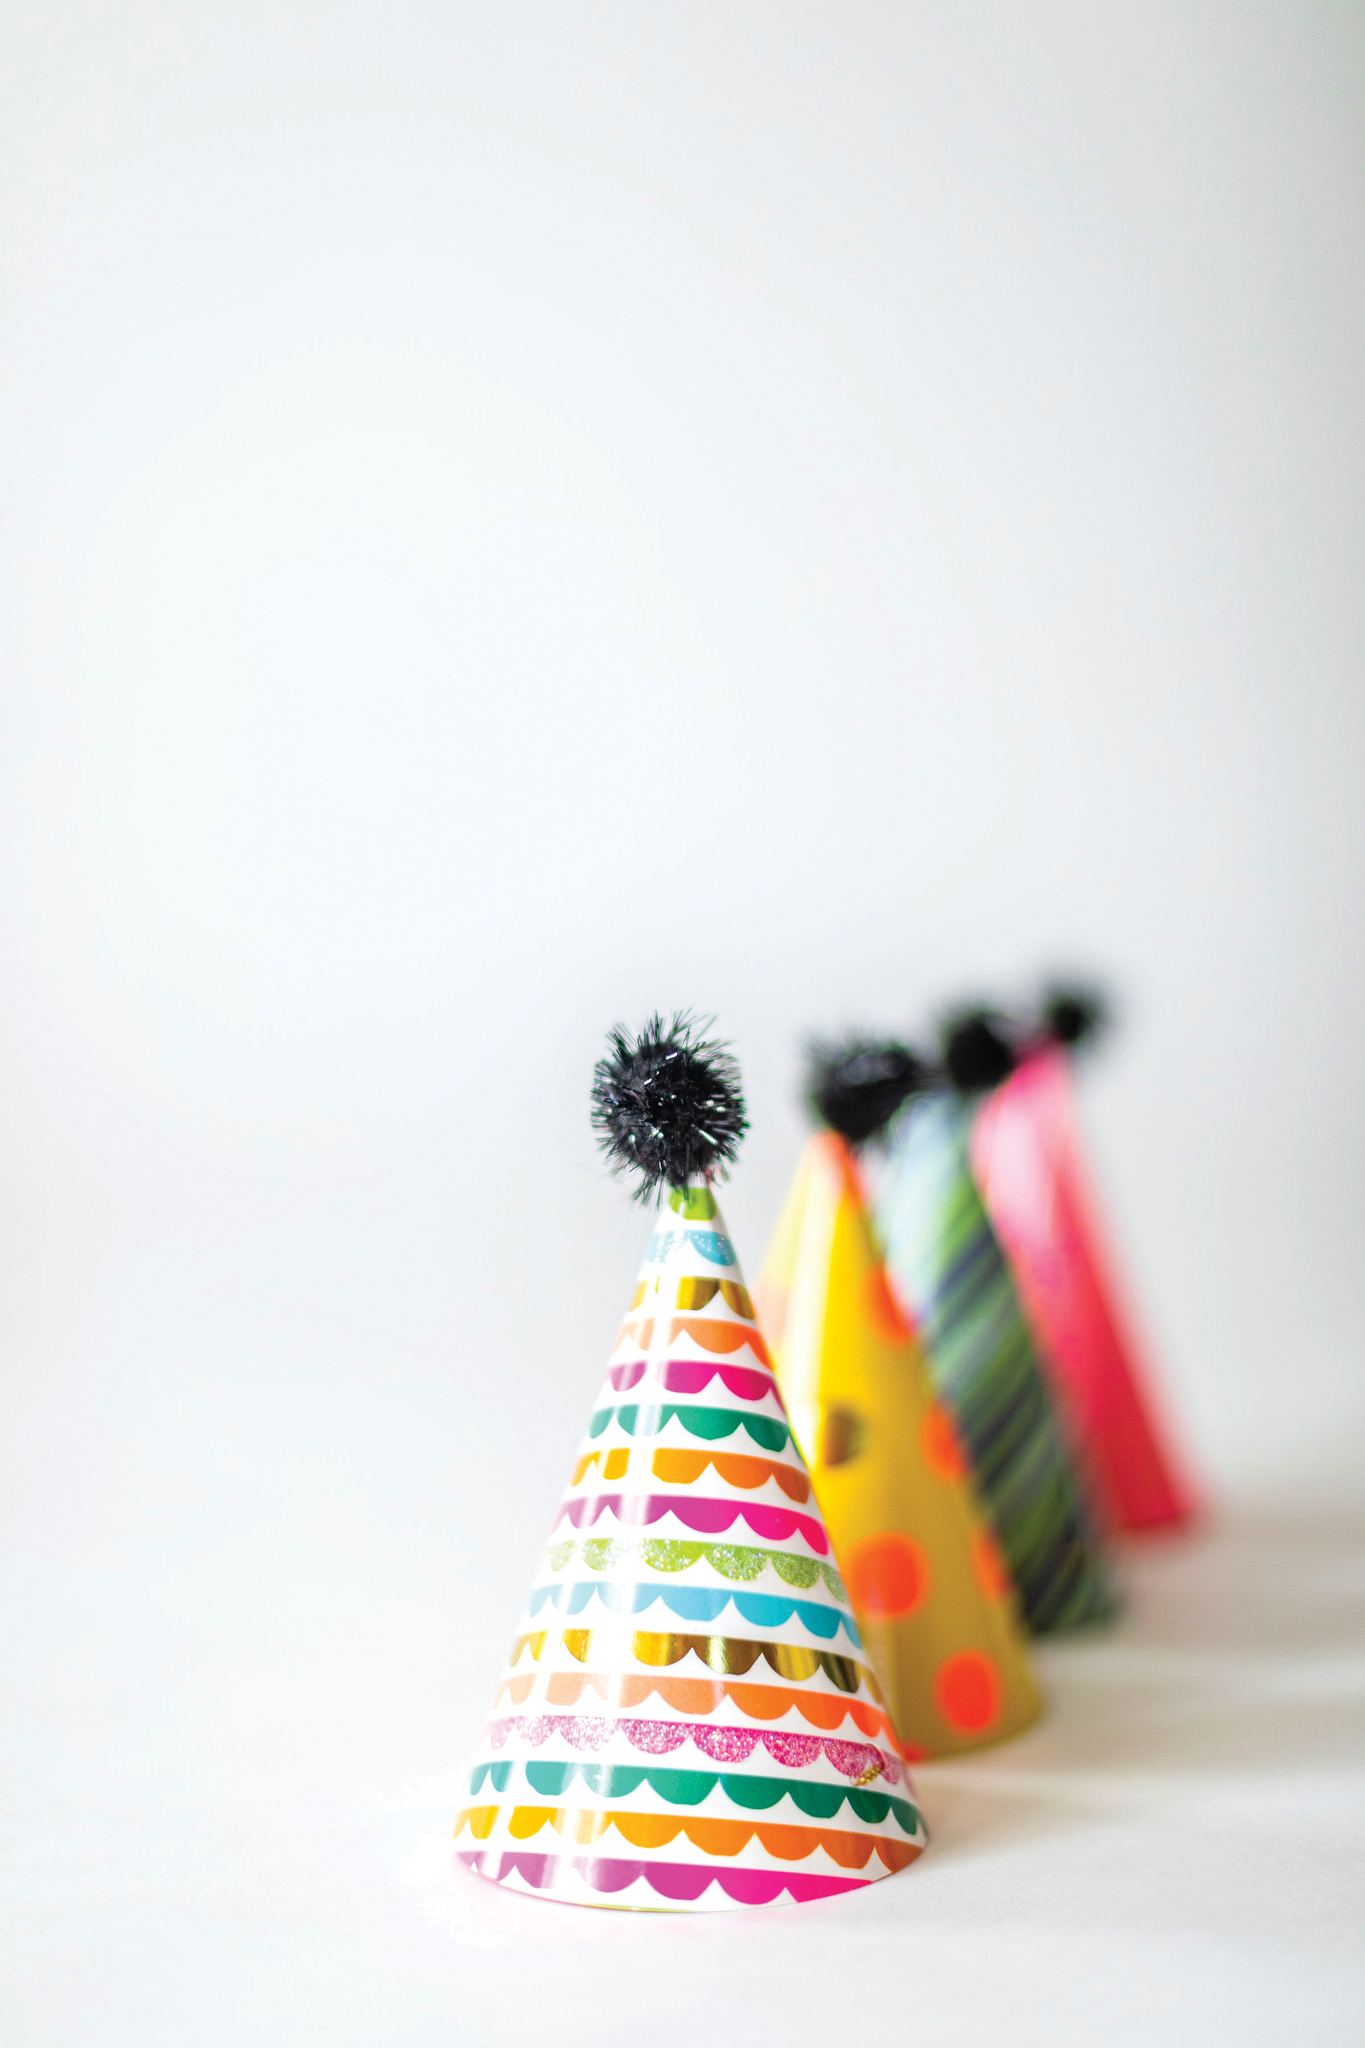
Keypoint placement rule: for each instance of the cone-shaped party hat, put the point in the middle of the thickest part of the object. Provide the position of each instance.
(931, 1591)
(688, 1719)
(947, 1266)
(1027, 1160)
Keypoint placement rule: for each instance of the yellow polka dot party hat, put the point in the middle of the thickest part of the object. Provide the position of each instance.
(932, 1593)
(688, 1719)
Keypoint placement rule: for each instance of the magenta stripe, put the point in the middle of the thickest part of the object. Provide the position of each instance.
(679, 1881)
(704, 1517)
(692, 1375)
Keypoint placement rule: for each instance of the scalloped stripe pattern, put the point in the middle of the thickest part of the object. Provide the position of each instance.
(688, 1608)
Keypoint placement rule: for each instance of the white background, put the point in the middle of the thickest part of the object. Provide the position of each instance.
(511, 515)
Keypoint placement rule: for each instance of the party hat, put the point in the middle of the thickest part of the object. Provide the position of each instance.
(931, 1591)
(946, 1263)
(1027, 1160)
(688, 1719)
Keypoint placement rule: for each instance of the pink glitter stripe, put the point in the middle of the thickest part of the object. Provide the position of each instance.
(722, 1745)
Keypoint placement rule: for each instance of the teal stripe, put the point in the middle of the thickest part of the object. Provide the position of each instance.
(640, 1419)
(552, 1778)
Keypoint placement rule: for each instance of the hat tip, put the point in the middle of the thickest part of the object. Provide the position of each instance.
(667, 1106)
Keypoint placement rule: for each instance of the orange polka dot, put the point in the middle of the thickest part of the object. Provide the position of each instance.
(989, 1565)
(941, 1444)
(968, 1690)
(887, 1576)
(883, 1310)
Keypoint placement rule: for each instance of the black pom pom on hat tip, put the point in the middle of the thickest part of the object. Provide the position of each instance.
(667, 1105)
(857, 1085)
(977, 1052)
(1071, 1016)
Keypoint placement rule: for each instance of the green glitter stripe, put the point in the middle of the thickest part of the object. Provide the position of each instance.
(737, 1562)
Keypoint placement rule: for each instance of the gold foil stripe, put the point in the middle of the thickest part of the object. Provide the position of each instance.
(731, 1656)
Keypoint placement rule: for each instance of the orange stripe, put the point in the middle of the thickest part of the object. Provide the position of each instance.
(613, 1463)
(713, 1836)
(683, 1468)
(479, 1820)
(714, 1335)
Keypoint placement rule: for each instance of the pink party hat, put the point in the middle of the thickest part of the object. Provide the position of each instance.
(688, 1719)
(1027, 1158)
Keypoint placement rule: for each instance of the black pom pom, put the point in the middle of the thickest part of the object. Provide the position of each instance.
(1071, 1015)
(976, 1053)
(857, 1087)
(667, 1103)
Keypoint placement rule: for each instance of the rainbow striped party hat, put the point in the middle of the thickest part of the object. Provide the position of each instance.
(688, 1719)
(947, 1266)
(932, 1593)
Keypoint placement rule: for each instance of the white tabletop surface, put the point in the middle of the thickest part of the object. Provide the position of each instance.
(222, 1823)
